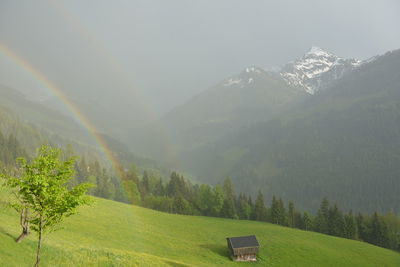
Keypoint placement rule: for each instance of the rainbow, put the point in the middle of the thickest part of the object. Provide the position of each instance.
(73, 109)
(97, 45)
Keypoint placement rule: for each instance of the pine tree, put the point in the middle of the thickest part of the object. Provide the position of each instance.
(275, 211)
(132, 174)
(218, 200)
(361, 228)
(307, 221)
(378, 231)
(321, 221)
(159, 189)
(144, 185)
(243, 207)
(228, 209)
(349, 226)
(82, 171)
(334, 221)
(291, 215)
(260, 211)
(282, 213)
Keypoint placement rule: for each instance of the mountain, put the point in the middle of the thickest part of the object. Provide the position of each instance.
(342, 143)
(254, 95)
(34, 124)
(317, 69)
(251, 96)
(109, 233)
(30, 112)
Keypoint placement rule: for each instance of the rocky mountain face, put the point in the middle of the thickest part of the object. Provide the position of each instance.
(317, 69)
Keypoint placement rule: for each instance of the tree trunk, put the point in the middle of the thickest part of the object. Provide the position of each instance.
(24, 224)
(39, 244)
(22, 236)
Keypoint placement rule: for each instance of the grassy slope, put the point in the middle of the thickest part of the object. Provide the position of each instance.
(115, 234)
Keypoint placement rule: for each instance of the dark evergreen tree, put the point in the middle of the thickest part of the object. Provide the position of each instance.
(307, 221)
(362, 228)
(217, 200)
(228, 209)
(282, 219)
(291, 214)
(335, 222)
(260, 211)
(350, 227)
(159, 189)
(378, 231)
(275, 211)
(243, 207)
(144, 185)
(321, 221)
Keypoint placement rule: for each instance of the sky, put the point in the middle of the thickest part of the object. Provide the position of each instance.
(160, 53)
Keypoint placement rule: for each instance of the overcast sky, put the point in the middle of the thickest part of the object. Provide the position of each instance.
(169, 50)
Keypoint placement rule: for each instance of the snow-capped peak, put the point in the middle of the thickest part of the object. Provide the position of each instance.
(318, 51)
(253, 69)
(316, 69)
(247, 76)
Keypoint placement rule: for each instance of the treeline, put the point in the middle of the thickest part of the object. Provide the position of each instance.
(179, 195)
(10, 149)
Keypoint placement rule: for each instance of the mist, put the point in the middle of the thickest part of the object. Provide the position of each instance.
(164, 52)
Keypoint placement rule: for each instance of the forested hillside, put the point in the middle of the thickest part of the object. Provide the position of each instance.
(26, 125)
(343, 144)
(251, 96)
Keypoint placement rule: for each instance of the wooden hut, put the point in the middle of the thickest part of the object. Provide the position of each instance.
(243, 248)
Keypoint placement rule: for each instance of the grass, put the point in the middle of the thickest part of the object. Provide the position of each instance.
(115, 234)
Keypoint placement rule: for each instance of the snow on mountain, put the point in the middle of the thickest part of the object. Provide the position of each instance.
(246, 77)
(314, 71)
(317, 69)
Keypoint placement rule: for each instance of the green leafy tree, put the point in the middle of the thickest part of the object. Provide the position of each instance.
(181, 205)
(43, 191)
(205, 200)
(132, 174)
(132, 192)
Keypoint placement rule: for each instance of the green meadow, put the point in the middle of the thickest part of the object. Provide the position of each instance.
(109, 233)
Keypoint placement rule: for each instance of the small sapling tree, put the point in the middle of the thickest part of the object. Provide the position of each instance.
(42, 190)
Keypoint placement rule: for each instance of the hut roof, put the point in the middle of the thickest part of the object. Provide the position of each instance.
(243, 241)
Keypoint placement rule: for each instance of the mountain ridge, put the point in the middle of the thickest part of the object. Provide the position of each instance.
(316, 69)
